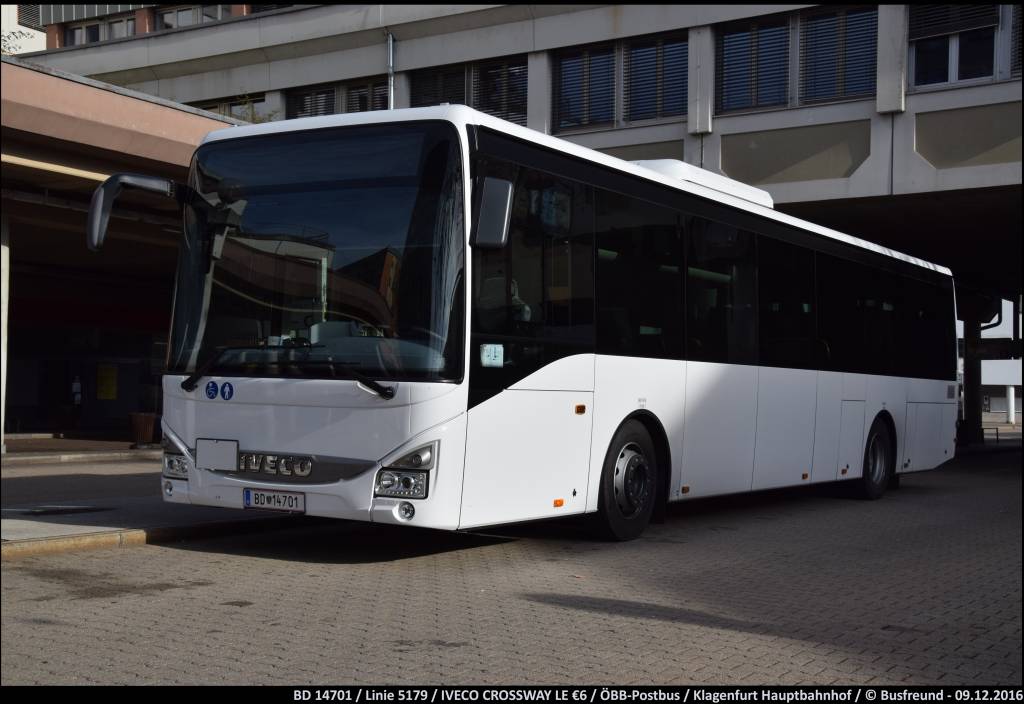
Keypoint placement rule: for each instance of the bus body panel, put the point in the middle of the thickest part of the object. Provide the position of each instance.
(719, 428)
(526, 457)
(827, 425)
(625, 386)
(784, 442)
(330, 420)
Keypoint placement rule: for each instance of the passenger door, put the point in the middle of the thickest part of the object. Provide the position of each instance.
(531, 366)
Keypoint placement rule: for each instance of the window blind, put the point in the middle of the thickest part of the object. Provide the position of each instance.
(752, 65)
(656, 76)
(433, 86)
(936, 20)
(838, 54)
(310, 102)
(584, 86)
(1015, 42)
(365, 96)
(499, 88)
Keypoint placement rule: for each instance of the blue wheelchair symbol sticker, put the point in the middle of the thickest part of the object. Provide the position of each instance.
(227, 391)
(211, 390)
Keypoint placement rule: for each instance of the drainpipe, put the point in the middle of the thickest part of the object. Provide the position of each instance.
(391, 70)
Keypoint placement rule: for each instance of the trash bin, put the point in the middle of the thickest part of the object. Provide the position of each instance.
(143, 425)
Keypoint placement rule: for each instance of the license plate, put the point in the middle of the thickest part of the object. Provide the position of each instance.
(274, 500)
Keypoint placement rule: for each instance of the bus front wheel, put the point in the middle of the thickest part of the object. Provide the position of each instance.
(879, 463)
(629, 483)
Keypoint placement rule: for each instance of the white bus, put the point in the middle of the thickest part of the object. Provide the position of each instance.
(436, 318)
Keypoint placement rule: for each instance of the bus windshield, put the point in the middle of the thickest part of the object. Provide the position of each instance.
(311, 252)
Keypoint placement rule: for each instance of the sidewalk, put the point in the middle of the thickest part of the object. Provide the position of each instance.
(57, 506)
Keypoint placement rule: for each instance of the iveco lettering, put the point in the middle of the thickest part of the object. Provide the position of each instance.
(434, 317)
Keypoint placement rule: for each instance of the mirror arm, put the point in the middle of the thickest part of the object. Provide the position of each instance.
(106, 193)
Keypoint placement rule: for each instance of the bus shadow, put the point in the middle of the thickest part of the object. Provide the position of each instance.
(333, 541)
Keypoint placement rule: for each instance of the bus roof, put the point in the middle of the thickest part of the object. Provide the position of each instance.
(697, 181)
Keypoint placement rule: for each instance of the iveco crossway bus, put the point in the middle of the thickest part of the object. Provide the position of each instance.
(437, 318)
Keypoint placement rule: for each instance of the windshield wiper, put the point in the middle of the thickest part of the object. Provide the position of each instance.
(385, 392)
(192, 380)
(381, 390)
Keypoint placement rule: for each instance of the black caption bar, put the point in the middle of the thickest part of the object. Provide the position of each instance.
(628, 695)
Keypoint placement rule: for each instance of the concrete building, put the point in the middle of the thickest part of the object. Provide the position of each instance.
(20, 28)
(897, 123)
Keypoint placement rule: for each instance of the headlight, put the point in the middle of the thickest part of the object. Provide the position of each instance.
(175, 466)
(402, 484)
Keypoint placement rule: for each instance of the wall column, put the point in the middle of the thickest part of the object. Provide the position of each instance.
(1011, 406)
(538, 91)
(701, 99)
(5, 289)
(891, 71)
(403, 89)
(970, 431)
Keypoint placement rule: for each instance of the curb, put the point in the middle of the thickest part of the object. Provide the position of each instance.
(988, 448)
(15, 460)
(134, 537)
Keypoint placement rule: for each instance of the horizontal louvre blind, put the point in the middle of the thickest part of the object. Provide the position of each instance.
(838, 54)
(656, 75)
(1015, 42)
(309, 102)
(584, 87)
(752, 66)
(935, 20)
(499, 88)
(28, 16)
(363, 96)
(433, 86)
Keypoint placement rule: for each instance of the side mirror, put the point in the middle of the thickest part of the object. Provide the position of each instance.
(495, 212)
(105, 194)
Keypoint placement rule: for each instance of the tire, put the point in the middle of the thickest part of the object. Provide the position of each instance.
(879, 463)
(629, 483)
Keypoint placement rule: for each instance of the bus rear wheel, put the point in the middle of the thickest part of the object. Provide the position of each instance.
(629, 483)
(879, 463)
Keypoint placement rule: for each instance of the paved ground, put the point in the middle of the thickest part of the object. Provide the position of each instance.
(795, 586)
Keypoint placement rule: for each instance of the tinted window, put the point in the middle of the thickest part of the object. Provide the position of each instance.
(977, 53)
(931, 61)
(533, 300)
(639, 278)
(929, 331)
(786, 306)
(720, 293)
(841, 315)
(883, 310)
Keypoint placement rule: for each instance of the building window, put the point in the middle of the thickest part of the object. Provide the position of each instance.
(838, 54)
(951, 43)
(178, 17)
(250, 108)
(752, 65)
(1015, 43)
(366, 95)
(496, 87)
(499, 88)
(114, 27)
(433, 86)
(310, 102)
(655, 73)
(584, 86)
(28, 16)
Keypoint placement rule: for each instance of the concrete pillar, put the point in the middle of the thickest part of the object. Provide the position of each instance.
(5, 287)
(970, 431)
(538, 91)
(240, 10)
(701, 99)
(1011, 406)
(891, 71)
(145, 20)
(54, 36)
(273, 102)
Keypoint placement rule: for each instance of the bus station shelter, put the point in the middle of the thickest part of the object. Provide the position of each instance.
(84, 334)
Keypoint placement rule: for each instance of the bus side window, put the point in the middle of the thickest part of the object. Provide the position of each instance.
(721, 320)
